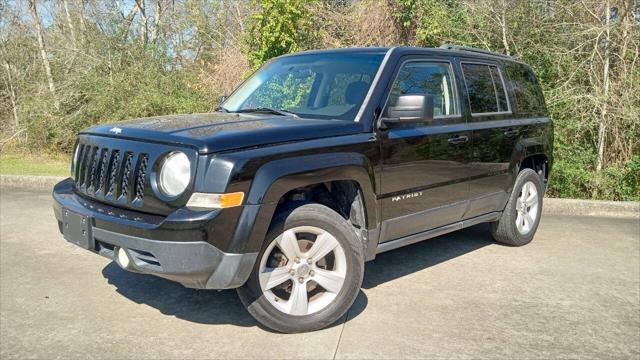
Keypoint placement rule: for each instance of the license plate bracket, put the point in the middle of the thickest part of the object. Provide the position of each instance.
(76, 228)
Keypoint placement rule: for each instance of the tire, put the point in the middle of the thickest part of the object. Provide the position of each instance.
(514, 227)
(275, 306)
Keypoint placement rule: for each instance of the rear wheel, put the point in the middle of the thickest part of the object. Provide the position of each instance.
(521, 216)
(308, 273)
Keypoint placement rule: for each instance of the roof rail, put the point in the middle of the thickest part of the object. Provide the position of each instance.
(472, 49)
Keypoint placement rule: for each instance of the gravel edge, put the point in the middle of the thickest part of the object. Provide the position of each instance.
(625, 209)
(29, 182)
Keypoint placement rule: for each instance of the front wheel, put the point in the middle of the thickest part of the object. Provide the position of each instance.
(308, 273)
(521, 216)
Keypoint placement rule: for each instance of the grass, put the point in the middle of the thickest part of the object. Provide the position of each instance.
(15, 163)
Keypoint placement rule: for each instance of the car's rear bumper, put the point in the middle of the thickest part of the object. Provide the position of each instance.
(196, 264)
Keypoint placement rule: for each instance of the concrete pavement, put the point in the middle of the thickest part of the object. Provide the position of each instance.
(573, 292)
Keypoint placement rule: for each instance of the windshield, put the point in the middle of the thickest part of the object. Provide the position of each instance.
(322, 86)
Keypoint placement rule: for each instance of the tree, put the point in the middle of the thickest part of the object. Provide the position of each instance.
(113, 60)
(439, 22)
(405, 13)
(10, 83)
(70, 24)
(279, 27)
(35, 19)
(142, 32)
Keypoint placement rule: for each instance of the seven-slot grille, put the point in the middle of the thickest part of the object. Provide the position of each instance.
(111, 174)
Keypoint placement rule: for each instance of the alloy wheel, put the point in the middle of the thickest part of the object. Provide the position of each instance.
(527, 208)
(303, 270)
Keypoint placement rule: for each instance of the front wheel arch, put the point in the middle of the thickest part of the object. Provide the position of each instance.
(279, 177)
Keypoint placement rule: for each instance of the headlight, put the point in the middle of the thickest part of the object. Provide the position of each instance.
(175, 174)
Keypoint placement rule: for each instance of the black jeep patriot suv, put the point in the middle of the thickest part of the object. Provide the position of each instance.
(315, 164)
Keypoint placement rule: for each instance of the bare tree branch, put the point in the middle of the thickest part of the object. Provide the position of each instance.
(43, 51)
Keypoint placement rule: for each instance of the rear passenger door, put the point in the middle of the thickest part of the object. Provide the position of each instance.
(495, 133)
(425, 166)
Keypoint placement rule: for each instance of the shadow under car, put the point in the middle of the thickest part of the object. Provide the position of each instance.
(224, 307)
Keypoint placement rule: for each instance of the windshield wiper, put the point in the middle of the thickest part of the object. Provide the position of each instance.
(268, 110)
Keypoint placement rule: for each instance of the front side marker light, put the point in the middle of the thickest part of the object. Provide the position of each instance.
(215, 201)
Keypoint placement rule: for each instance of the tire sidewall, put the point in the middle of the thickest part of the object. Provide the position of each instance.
(324, 218)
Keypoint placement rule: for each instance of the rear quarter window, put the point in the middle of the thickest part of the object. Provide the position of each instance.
(485, 87)
(527, 93)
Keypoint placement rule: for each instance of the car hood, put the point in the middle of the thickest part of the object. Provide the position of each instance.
(213, 132)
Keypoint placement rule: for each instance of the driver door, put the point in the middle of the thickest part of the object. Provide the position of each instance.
(424, 181)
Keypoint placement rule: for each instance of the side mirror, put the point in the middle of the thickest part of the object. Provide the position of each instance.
(221, 99)
(410, 109)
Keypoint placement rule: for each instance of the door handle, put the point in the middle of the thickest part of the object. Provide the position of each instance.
(511, 133)
(458, 139)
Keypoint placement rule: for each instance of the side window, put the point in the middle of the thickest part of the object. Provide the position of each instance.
(486, 89)
(427, 78)
(528, 96)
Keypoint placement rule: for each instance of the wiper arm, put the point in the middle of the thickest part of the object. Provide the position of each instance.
(268, 110)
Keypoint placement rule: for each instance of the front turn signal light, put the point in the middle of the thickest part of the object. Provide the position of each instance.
(215, 201)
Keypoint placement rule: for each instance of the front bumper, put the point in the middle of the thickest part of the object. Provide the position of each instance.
(195, 264)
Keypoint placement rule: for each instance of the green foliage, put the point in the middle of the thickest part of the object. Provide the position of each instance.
(404, 13)
(573, 177)
(199, 49)
(136, 83)
(430, 22)
(441, 22)
(279, 27)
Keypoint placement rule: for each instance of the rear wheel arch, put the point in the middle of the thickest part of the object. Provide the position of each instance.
(537, 162)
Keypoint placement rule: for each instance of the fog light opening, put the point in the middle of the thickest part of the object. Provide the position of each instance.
(123, 258)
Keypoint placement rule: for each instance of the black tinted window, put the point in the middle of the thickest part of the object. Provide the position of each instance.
(501, 94)
(528, 96)
(486, 89)
(427, 78)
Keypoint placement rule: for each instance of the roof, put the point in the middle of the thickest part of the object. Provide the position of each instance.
(349, 50)
(446, 49)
